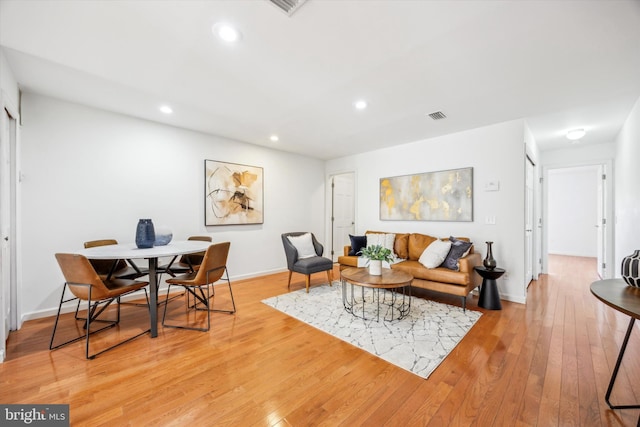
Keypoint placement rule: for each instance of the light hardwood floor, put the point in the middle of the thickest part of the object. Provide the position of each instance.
(546, 363)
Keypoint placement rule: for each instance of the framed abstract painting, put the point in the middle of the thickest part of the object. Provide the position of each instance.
(430, 196)
(233, 193)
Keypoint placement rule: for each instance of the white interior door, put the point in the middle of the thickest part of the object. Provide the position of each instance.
(529, 222)
(5, 229)
(342, 213)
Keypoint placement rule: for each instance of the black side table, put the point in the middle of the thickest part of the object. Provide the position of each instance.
(489, 295)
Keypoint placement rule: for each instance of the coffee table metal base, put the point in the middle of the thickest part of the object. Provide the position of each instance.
(396, 303)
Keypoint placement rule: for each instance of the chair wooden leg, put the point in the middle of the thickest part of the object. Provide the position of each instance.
(308, 281)
(330, 277)
(289, 282)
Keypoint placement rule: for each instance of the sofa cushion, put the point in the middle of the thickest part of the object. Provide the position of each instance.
(385, 240)
(401, 245)
(350, 261)
(417, 244)
(357, 243)
(459, 248)
(439, 274)
(435, 253)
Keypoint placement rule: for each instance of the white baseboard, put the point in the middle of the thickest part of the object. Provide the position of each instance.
(513, 298)
(71, 307)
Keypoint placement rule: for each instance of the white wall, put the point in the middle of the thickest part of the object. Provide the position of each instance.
(90, 174)
(627, 199)
(496, 153)
(576, 155)
(8, 84)
(572, 213)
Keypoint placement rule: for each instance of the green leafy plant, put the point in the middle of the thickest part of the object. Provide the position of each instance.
(377, 253)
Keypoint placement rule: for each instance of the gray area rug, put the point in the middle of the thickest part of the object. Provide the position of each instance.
(417, 343)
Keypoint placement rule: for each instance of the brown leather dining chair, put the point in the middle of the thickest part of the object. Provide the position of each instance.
(199, 285)
(187, 263)
(84, 283)
(120, 268)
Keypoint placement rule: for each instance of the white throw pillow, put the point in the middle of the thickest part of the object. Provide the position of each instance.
(385, 240)
(435, 253)
(304, 245)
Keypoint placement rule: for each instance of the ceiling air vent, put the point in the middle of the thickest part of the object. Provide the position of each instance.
(438, 115)
(288, 6)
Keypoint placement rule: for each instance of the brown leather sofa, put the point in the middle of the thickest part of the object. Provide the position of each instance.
(409, 246)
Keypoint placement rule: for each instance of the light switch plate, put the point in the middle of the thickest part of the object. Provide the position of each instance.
(492, 186)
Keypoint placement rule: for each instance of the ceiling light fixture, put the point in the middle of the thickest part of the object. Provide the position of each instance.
(360, 105)
(274, 138)
(226, 32)
(575, 134)
(166, 109)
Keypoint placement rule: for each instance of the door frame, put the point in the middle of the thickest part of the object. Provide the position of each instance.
(530, 211)
(330, 209)
(607, 195)
(13, 318)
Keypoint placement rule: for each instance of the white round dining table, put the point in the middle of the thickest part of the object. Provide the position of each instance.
(131, 251)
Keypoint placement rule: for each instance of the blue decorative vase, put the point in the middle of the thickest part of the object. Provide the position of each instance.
(631, 269)
(145, 234)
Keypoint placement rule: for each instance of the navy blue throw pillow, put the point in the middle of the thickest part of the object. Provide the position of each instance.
(458, 248)
(357, 243)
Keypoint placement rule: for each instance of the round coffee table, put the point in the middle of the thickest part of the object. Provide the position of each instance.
(395, 286)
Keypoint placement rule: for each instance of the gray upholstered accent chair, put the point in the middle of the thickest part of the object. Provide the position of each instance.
(307, 265)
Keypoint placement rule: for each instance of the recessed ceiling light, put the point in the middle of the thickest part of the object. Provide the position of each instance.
(360, 104)
(274, 138)
(166, 109)
(226, 32)
(575, 134)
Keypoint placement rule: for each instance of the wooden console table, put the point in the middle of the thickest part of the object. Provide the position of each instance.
(626, 299)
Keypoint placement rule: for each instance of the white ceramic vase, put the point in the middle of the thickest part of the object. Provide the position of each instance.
(163, 235)
(375, 267)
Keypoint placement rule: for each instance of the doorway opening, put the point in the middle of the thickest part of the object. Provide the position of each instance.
(577, 212)
(342, 212)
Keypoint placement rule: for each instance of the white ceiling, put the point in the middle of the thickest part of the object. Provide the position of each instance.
(558, 64)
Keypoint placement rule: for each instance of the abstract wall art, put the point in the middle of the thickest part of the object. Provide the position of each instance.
(233, 193)
(430, 196)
